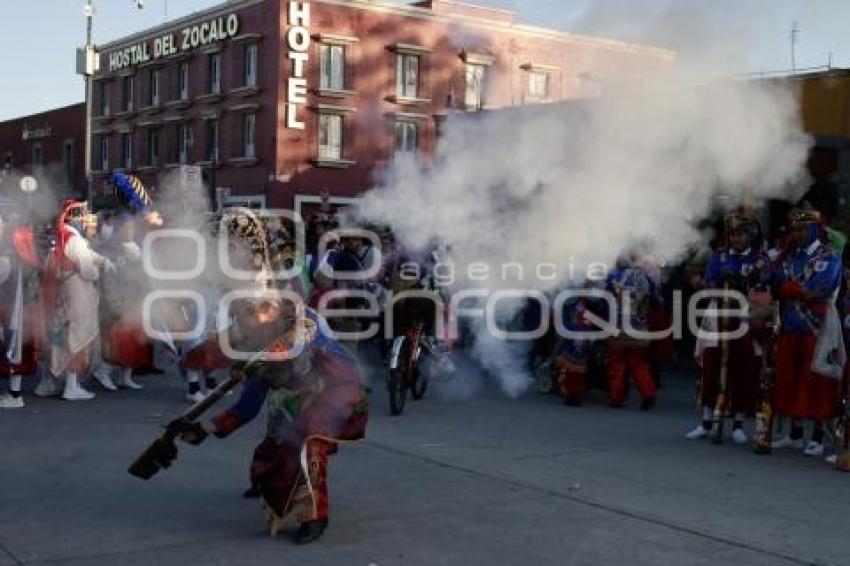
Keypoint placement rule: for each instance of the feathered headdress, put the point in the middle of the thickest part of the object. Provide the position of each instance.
(132, 192)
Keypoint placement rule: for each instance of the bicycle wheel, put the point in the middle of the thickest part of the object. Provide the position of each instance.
(418, 380)
(397, 385)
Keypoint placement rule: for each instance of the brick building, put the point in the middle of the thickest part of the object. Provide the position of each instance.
(49, 145)
(281, 101)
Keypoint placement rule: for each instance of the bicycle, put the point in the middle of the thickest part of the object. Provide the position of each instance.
(403, 375)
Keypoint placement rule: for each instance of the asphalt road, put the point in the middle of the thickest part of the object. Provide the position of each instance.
(465, 477)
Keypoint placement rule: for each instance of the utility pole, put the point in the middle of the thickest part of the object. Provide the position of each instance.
(91, 68)
(88, 63)
(795, 33)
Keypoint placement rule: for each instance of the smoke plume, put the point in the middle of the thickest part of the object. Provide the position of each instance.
(576, 183)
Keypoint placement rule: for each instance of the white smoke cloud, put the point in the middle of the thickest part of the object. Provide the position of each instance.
(577, 183)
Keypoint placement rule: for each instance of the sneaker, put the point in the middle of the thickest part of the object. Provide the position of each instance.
(128, 383)
(77, 394)
(195, 397)
(46, 387)
(697, 434)
(310, 531)
(102, 376)
(787, 442)
(9, 402)
(814, 449)
(831, 460)
(739, 436)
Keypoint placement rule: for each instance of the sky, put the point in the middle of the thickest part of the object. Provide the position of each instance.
(735, 35)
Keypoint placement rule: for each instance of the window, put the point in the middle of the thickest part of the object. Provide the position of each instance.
(476, 83)
(184, 141)
(127, 151)
(103, 153)
(539, 85)
(214, 73)
(249, 131)
(407, 75)
(211, 139)
(37, 155)
(153, 146)
(333, 67)
(68, 160)
(251, 56)
(182, 82)
(153, 88)
(330, 136)
(103, 98)
(406, 136)
(8, 162)
(127, 94)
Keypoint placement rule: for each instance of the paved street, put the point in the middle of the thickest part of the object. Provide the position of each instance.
(458, 479)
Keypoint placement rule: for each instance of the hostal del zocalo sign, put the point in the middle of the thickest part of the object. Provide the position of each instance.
(206, 33)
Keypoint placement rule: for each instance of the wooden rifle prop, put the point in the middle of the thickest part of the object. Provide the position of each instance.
(163, 451)
(763, 436)
(843, 461)
(720, 404)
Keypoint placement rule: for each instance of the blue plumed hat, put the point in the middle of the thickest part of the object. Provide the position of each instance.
(132, 192)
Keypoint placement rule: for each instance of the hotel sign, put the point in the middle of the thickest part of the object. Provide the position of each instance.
(187, 39)
(298, 43)
(37, 133)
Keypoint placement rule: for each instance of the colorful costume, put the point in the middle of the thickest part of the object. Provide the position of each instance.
(124, 341)
(20, 310)
(315, 401)
(627, 353)
(572, 360)
(71, 299)
(808, 282)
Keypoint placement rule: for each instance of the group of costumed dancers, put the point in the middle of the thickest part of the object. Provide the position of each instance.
(76, 310)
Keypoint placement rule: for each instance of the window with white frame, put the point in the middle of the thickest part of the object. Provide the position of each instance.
(103, 153)
(153, 146)
(539, 84)
(333, 67)
(330, 136)
(211, 140)
(182, 81)
(184, 140)
(476, 82)
(406, 136)
(249, 134)
(214, 73)
(250, 64)
(103, 98)
(127, 150)
(153, 87)
(407, 75)
(127, 93)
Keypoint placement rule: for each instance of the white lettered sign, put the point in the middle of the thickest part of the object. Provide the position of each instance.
(187, 39)
(298, 42)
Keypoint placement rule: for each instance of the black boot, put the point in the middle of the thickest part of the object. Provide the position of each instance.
(647, 404)
(572, 401)
(310, 531)
(252, 493)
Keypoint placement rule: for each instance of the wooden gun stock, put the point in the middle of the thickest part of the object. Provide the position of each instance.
(163, 451)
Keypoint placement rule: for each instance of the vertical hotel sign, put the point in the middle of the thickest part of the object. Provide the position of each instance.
(298, 43)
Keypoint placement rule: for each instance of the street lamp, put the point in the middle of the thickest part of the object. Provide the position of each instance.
(88, 64)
